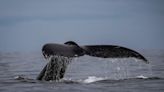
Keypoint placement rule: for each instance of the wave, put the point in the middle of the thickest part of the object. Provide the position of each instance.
(90, 79)
(93, 79)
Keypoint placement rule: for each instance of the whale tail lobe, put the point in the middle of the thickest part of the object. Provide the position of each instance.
(112, 51)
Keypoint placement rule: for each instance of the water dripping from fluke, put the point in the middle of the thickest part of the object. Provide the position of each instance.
(55, 68)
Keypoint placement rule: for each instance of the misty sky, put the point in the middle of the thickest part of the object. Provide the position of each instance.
(26, 25)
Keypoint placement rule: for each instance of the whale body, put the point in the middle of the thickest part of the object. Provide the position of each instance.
(61, 54)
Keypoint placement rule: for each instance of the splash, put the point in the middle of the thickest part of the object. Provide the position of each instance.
(92, 79)
(124, 68)
(142, 77)
(113, 68)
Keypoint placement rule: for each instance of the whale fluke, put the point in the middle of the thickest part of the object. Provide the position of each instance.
(71, 49)
(60, 55)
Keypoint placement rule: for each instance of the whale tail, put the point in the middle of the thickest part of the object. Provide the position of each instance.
(112, 51)
(61, 54)
(71, 49)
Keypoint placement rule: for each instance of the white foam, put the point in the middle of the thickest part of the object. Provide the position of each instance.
(91, 79)
(142, 77)
(18, 77)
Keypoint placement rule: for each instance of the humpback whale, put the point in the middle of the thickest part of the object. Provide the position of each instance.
(60, 55)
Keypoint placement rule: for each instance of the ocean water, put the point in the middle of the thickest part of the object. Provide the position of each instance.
(18, 72)
(27, 25)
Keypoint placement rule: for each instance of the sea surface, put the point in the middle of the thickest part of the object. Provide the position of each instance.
(18, 72)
